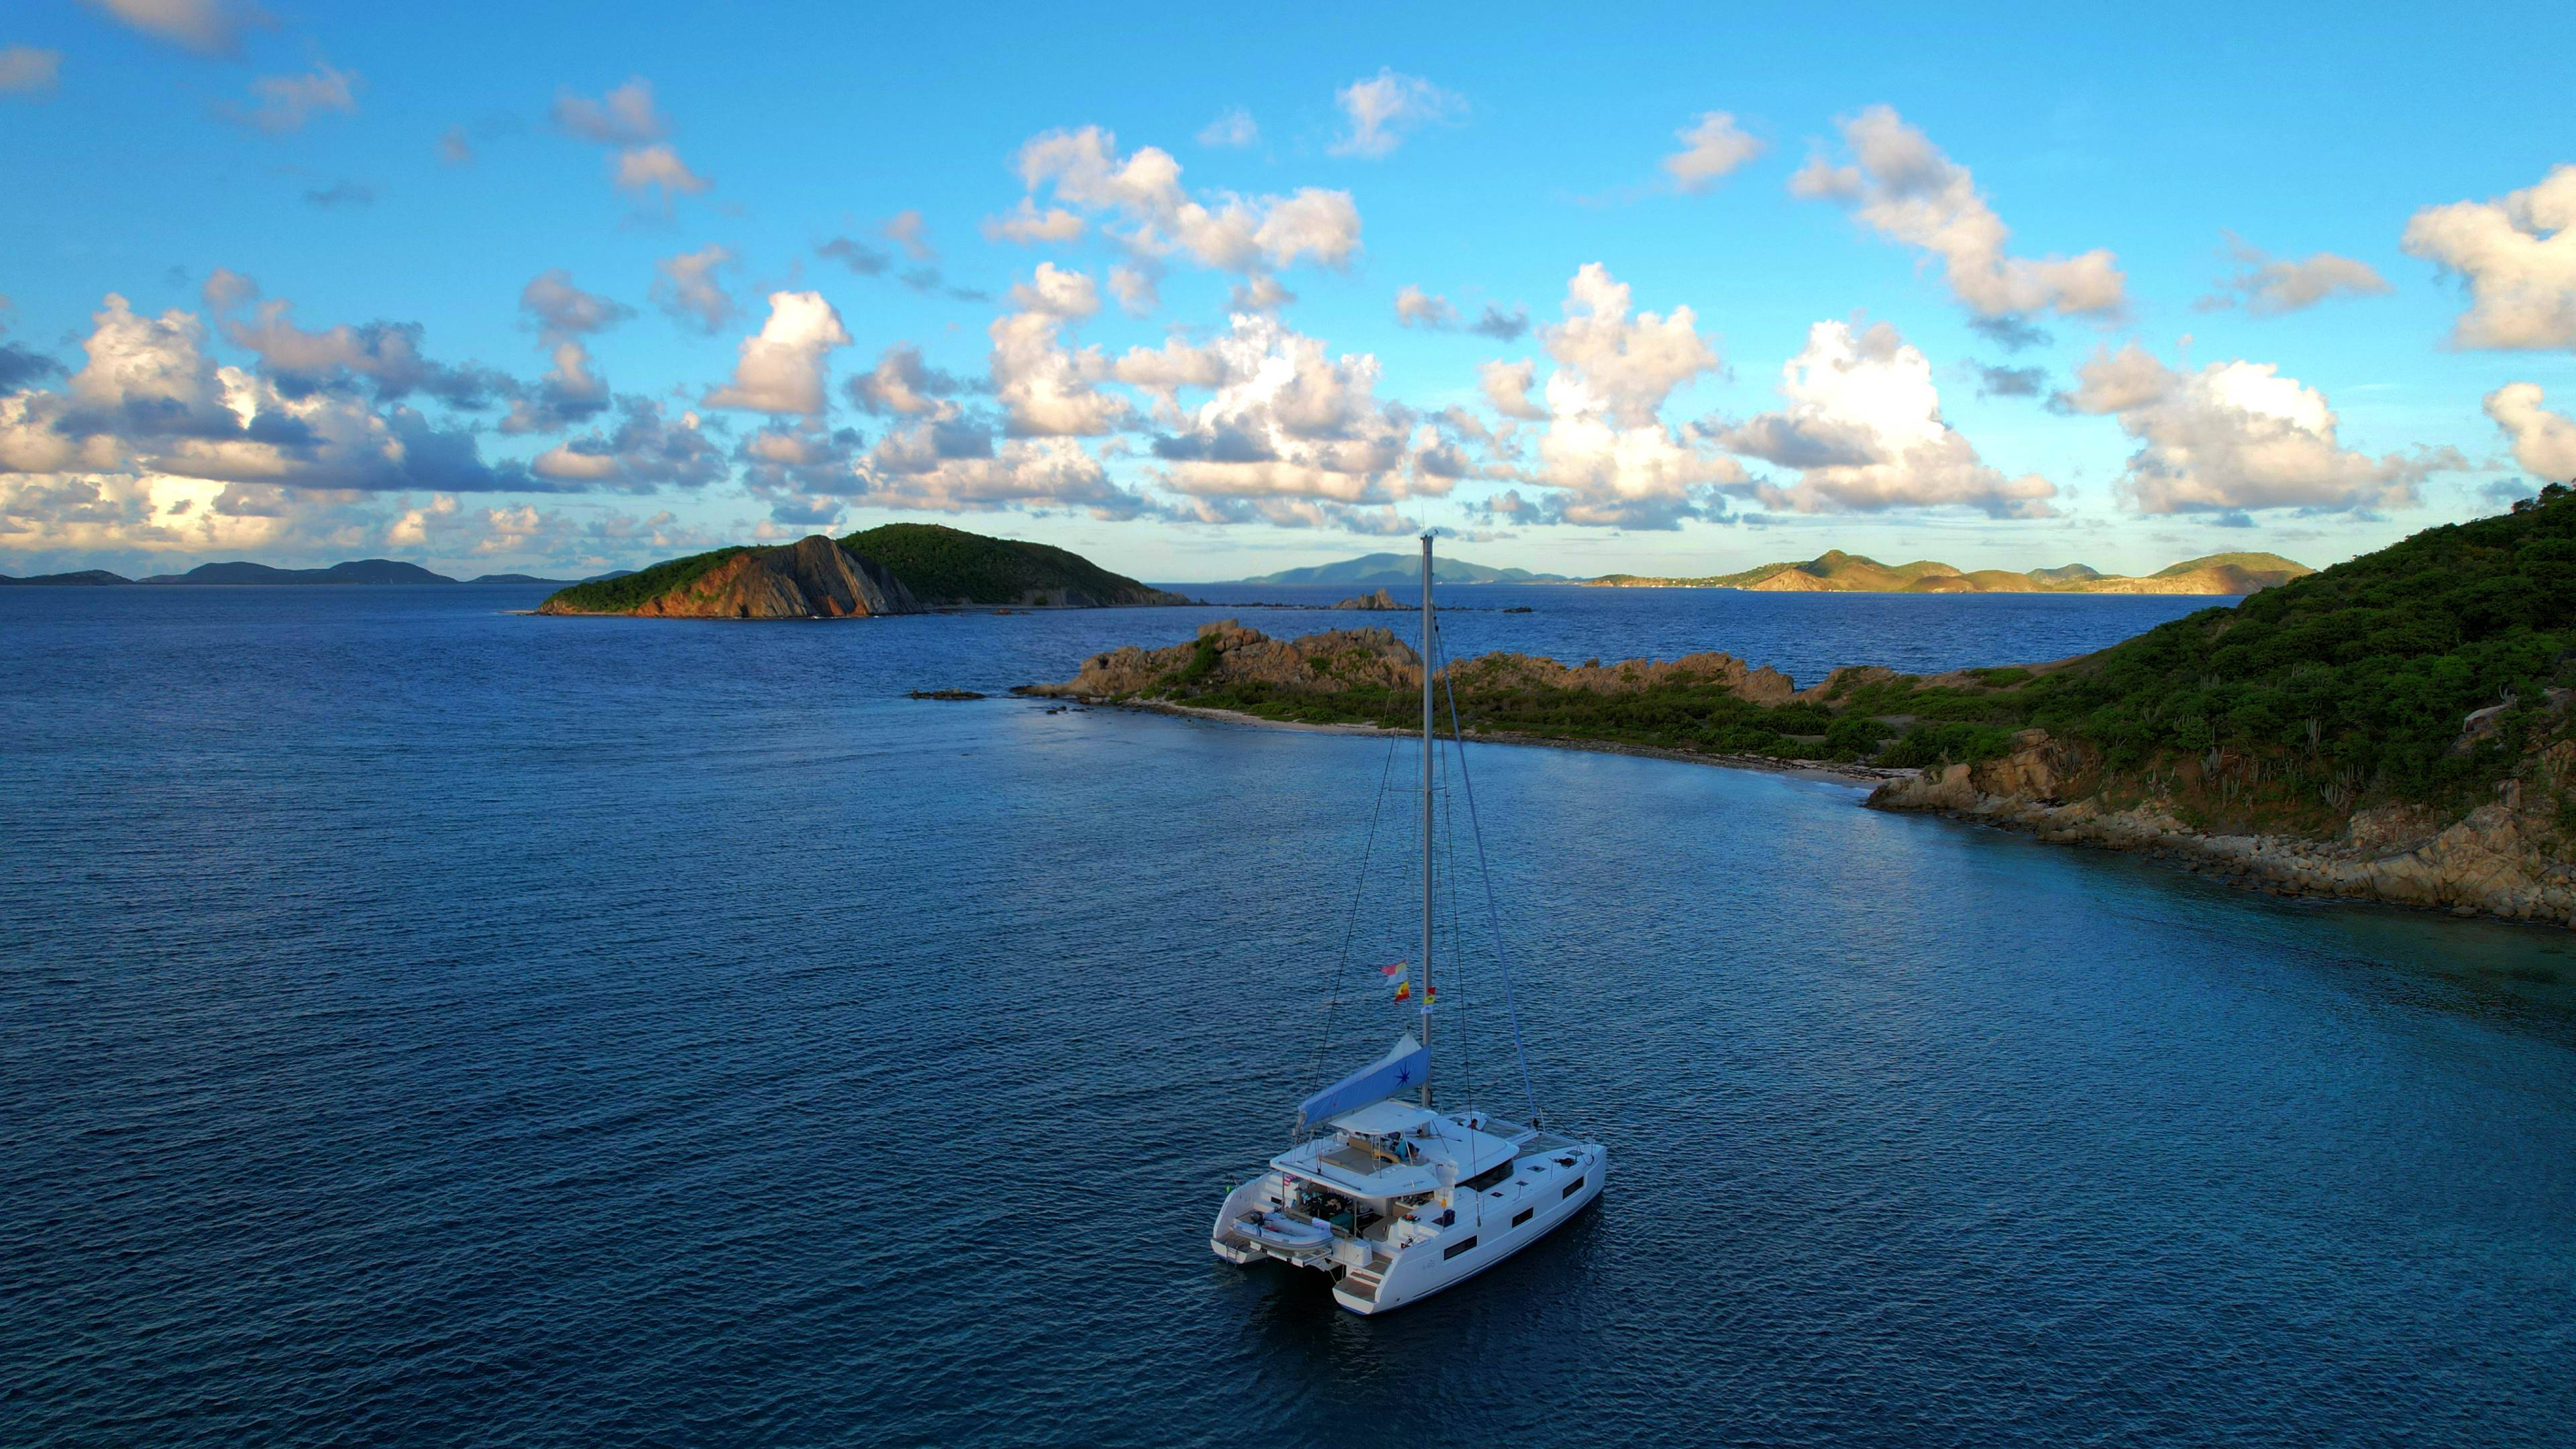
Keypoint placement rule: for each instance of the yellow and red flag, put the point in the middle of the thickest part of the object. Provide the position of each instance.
(1403, 979)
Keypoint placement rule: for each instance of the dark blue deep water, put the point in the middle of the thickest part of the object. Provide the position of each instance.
(421, 1023)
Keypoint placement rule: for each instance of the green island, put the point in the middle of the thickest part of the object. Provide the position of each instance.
(2397, 725)
(900, 568)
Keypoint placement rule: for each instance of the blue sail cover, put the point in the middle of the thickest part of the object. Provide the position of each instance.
(1406, 1064)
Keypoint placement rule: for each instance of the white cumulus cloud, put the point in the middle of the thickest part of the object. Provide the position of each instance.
(2518, 255)
(1158, 217)
(209, 27)
(2238, 436)
(1415, 307)
(688, 290)
(1901, 186)
(2544, 441)
(1863, 428)
(782, 368)
(1606, 456)
(1714, 147)
(1057, 291)
(655, 168)
(1029, 226)
(2268, 286)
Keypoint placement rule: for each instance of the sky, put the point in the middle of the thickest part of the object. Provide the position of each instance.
(558, 289)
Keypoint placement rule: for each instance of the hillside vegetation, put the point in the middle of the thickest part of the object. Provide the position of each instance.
(943, 565)
(629, 592)
(2289, 711)
(2337, 691)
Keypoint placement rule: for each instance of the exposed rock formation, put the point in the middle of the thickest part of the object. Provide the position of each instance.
(1379, 600)
(813, 578)
(1761, 686)
(1227, 653)
(2510, 857)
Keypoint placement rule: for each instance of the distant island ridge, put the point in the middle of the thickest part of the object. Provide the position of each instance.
(1837, 572)
(357, 571)
(1380, 569)
(1834, 572)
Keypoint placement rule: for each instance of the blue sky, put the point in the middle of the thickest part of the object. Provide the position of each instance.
(1985, 244)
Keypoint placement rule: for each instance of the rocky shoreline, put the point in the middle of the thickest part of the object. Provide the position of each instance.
(1846, 774)
(2500, 860)
(2493, 863)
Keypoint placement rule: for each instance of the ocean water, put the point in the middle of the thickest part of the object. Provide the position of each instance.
(421, 1023)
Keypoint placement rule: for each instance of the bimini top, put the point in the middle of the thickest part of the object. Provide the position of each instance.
(1385, 1118)
(1393, 1149)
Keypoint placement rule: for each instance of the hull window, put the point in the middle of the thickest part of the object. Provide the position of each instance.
(1454, 1249)
(1522, 1216)
(1572, 1188)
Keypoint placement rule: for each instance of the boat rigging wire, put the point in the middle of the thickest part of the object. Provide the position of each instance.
(1351, 921)
(1493, 910)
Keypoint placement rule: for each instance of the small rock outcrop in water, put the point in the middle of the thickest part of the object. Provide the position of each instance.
(813, 578)
(1381, 600)
(2507, 857)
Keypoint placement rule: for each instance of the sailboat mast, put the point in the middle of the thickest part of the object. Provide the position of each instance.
(1426, 808)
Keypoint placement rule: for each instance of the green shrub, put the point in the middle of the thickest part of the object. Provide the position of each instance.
(1957, 742)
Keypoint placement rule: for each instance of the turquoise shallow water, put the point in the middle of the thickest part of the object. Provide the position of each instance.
(428, 1024)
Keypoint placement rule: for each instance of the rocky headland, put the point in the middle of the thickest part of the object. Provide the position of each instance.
(813, 578)
(2396, 728)
(2508, 856)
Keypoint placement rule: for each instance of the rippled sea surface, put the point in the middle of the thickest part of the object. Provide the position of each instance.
(425, 1023)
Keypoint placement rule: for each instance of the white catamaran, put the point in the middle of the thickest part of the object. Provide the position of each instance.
(1395, 1200)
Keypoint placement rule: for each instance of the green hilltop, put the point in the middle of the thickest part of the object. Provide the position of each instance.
(939, 566)
(949, 566)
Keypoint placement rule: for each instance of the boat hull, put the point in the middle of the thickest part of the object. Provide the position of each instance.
(1548, 1191)
(1444, 1262)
